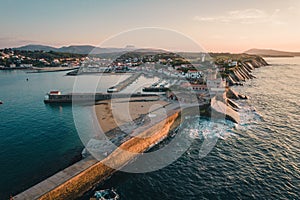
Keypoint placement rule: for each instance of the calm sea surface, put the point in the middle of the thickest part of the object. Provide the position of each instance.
(260, 158)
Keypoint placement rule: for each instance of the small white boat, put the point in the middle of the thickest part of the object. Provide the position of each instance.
(108, 194)
(112, 89)
(1, 102)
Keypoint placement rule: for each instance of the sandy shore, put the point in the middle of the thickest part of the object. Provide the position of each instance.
(116, 112)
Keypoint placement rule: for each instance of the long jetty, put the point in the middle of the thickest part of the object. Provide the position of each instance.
(74, 181)
(90, 97)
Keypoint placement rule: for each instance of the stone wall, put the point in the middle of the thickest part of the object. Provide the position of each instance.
(86, 179)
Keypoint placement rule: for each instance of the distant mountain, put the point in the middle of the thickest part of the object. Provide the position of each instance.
(76, 49)
(271, 53)
(33, 47)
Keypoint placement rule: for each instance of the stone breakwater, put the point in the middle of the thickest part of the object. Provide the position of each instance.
(242, 71)
(223, 105)
(79, 178)
(221, 109)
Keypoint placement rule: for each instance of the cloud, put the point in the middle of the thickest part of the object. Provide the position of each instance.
(197, 18)
(247, 16)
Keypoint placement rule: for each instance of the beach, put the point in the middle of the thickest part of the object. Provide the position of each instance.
(117, 112)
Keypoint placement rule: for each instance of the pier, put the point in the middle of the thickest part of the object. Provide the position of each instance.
(74, 181)
(120, 86)
(89, 97)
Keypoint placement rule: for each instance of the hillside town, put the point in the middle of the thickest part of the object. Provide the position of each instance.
(21, 59)
(16, 59)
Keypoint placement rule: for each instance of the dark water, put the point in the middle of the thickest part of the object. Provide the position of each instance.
(259, 159)
(36, 140)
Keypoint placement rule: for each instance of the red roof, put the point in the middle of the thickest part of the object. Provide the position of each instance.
(55, 92)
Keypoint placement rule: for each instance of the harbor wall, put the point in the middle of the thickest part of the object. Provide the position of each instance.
(90, 172)
(90, 97)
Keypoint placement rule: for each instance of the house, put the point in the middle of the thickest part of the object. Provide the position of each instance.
(193, 74)
(232, 63)
(195, 87)
(26, 65)
(215, 85)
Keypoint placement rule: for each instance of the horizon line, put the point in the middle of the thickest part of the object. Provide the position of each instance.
(95, 46)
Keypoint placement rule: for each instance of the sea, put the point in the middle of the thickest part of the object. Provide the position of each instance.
(257, 159)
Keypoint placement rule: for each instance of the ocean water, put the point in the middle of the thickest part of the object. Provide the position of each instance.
(37, 140)
(258, 159)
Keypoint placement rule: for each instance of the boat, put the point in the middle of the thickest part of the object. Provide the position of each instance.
(112, 89)
(107, 194)
(1, 102)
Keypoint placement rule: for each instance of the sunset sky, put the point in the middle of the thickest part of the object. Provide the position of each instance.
(218, 26)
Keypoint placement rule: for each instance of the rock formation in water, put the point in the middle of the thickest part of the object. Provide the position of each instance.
(242, 71)
(224, 106)
(220, 109)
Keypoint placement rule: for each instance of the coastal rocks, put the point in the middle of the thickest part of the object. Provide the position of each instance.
(232, 104)
(231, 94)
(242, 72)
(224, 106)
(241, 96)
(219, 110)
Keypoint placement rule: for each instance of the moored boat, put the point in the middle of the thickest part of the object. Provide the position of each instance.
(112, 89)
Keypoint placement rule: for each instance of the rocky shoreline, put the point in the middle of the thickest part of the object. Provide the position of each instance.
(243, 71)
(224, 105)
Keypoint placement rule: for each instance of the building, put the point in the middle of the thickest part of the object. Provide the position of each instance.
(193, 74)
(215, 85)
(232, 63)
(26, 65)
(195, 87)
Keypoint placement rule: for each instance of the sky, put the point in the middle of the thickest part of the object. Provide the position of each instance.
(215, 25)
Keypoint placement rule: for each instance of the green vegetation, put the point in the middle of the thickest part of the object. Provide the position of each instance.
(36, 58)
